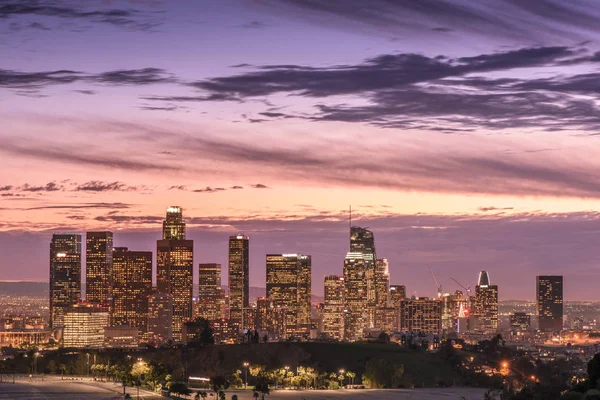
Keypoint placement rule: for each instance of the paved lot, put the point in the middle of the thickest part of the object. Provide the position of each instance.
(52, 389)
(395, 394)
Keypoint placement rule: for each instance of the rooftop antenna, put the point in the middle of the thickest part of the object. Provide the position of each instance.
(350, 217)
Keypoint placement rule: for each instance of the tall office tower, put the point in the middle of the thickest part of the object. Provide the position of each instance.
(422, 315)
(160, 318)
(174, 268)
(549, 291)
(486, 303)
(333, 310)
(239, 287)
(270, 320)
(382, 282)
(363, 241)
(174, 225)
(288, 285)
(356, 312)
(98, 267)
(65, 276)
(132, 285)
(211, 297)
(397, 294)
(84, 326)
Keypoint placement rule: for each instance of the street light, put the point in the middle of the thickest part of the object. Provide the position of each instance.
(246, 365)
(35, 357)
(88, 364)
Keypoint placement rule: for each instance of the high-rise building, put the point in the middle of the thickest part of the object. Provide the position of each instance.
(84, 326)
(520, 322)
(420, 314)
(454, 307)
(362, 241)
(397, 294)
(270, 319)
(239, 286)
(486, 303)
(289, 286)
(356, 311)
(549, 308)
(132, 285)
(174, 225)
(160, 318)
(333, 310)
(211, 297)
(98, 267)
(382, 282)
(65, 276)
(174, 268)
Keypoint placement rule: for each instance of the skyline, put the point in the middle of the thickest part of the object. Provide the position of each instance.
(465, 140)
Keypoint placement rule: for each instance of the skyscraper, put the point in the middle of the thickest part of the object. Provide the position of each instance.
(397, 293)
(174, 268)
(174, 225)
(362, 241)
(549, 291)
(486, 303)
(160, 318)
(211, 297)
(239, 287)
(356, 311)
(382, 282)
(98, 267)
(289, 286)
(65, 276)
(333, 312)
(421, 315)
(132, 285)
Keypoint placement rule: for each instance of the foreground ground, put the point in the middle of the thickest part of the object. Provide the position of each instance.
(55, 388)
(50, 389)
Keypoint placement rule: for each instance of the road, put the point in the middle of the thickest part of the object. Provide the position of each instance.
(53, 388)
(367, 394)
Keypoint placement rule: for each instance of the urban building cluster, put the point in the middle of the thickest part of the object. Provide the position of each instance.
(123, 309)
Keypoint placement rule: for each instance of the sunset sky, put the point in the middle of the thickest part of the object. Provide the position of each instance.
(463, 133)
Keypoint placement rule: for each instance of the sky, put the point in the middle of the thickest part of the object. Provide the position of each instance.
(464, 134)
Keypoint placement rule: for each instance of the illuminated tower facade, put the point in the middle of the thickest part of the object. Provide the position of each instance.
(98, 267)
(132, 285)
(65, 276)
(175, 268)
(84, 326)
(333, 309)
(211, 297)
(160, 318)
(362, 241)
(174, 225)
(486, 303)
(289, 287)
(239, 285)
(356, 310)
(382, 282)
(397, 294)
(549, 291)
(421, 314)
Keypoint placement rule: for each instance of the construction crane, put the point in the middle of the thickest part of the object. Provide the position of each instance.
(468, 289)
(437, 285)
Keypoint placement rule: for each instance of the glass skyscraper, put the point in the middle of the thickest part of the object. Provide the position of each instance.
(65, 276)
(98, 267)
(239, 286)
(549, 307)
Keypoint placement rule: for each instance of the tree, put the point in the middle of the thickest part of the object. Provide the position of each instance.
(593, 370)
(351, 375)
(202, 332)
(180, 389)
(234, 397)
(236, 380)
(262, 387)
(380, 373)
(51, 367)
(218, 384)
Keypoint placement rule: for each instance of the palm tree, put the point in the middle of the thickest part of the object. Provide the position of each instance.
(351, 375)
